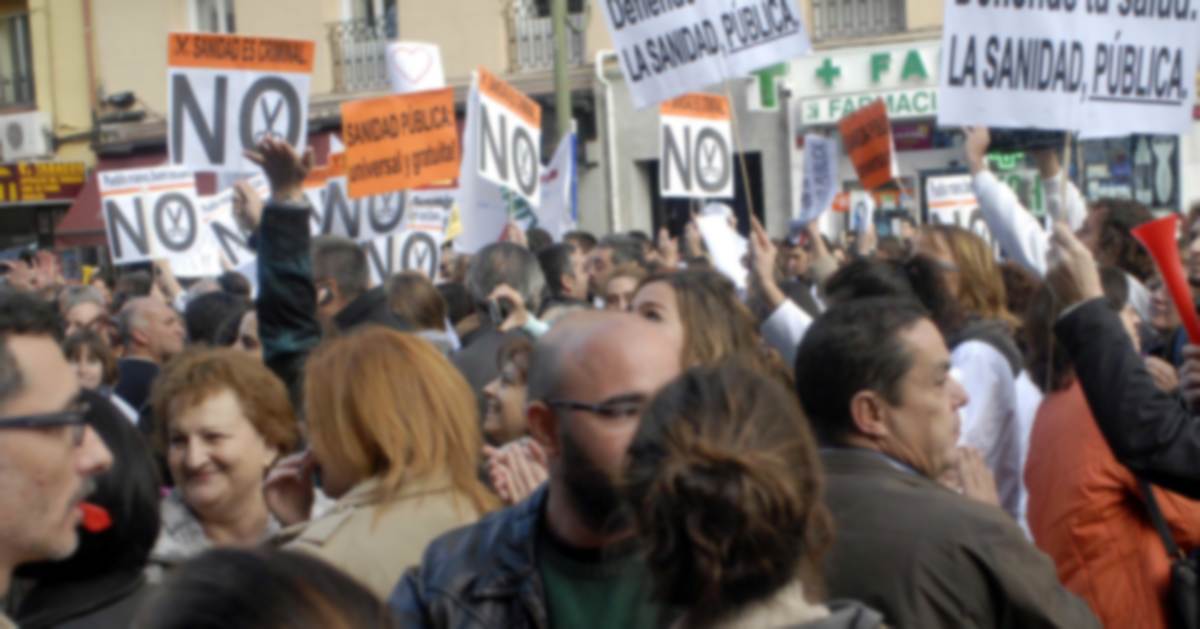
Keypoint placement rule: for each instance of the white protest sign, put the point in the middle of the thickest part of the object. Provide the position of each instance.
(862, 211)
(696, 159)
(951, 201)
(216, 215)
(414, 248)
(820, 176)
(226, 93)
(726, 246)
(556, 214)
(509, 134)
(154, 213)
(1098, 66)
(673, 47)
(414, 67)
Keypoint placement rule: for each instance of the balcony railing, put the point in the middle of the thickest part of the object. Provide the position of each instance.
(359, 55)
(838, 19)
(531, 39)
(16, 67)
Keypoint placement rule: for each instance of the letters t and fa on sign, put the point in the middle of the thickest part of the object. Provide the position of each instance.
(867, 139)
(696, 157)
(820, 177)
(226, 93)
(414, 67)
(508, 137)
(400, 141)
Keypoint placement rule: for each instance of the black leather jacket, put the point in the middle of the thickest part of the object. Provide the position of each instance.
(483, 575)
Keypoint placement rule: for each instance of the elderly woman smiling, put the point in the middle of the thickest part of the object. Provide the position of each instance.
(222, 419)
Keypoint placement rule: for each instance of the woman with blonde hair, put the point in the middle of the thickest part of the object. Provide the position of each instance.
(393, 429)
(984, 352)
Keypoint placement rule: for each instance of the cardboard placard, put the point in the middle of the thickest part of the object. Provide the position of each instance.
(154, 213)
(867, 138)
(508, 137)
(696, 159)
(399, 142)
(1099, 67)
(670, 48)
(225, 93)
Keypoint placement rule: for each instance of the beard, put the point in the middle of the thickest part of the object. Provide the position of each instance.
(592, 492)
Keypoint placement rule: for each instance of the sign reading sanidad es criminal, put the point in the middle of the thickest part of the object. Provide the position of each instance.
(670, 47)
(1103, 67)
(225, 93)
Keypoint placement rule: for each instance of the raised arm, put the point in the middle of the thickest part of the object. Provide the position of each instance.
(287, 302)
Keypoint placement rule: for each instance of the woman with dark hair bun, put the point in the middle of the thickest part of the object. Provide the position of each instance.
(102, 584)
(726, 488)
(262, 589)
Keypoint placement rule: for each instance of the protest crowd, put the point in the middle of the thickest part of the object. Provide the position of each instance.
(705, 427)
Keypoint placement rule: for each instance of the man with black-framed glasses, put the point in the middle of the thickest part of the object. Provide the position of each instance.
(48, 455)
(564, 557)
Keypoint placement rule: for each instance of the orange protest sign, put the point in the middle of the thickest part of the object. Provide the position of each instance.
(867, 139)
(509, 96)
(400, 142)
(707, 106)
(234, 52)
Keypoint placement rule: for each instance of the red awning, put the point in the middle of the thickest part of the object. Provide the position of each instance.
(83, 225)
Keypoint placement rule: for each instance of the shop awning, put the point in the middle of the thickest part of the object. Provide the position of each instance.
(83, 225)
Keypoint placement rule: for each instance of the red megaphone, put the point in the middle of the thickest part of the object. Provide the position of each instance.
(1158, 237)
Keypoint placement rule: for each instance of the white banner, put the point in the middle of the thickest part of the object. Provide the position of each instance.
(226, 93)
(862, 211)
(820, 176)
(154, 213)
(1100, 67)
(672, 47)
(508, 137)
(951, 201)
(557, 212)
(696, 144)
(727, 247)
(414, 67)
(416, 247)
(484, 206)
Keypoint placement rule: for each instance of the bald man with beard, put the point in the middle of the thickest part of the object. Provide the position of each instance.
(564, 557)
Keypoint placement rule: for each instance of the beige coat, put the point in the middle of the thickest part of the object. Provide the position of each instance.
(375, 543)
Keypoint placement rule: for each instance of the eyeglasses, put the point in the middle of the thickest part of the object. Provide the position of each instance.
(618, 407)
(71, 416)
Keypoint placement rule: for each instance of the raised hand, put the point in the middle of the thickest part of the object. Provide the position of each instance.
(285, 169)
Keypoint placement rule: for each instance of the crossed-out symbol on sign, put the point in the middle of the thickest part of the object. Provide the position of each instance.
(525, 161)
(269, 116)
(712, 163)
(179, 227)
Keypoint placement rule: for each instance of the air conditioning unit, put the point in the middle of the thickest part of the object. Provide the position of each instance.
(23, 136)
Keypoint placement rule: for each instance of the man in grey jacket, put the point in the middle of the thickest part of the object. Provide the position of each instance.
(874, 378)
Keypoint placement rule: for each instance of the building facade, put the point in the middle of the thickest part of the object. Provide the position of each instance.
(94, 72)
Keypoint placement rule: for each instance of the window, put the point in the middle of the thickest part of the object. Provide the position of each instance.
(213, 16)
(16, 66)
(837, 19)
(573, 7)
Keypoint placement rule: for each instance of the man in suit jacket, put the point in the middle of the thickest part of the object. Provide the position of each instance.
(874, 378)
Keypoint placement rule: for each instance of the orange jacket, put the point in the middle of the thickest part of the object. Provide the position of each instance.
(1086, 512)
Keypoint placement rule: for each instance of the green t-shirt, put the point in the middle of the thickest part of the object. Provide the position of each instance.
(595, 588)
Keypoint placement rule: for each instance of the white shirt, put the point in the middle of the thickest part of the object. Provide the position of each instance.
(785, 328)
(989, 419)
